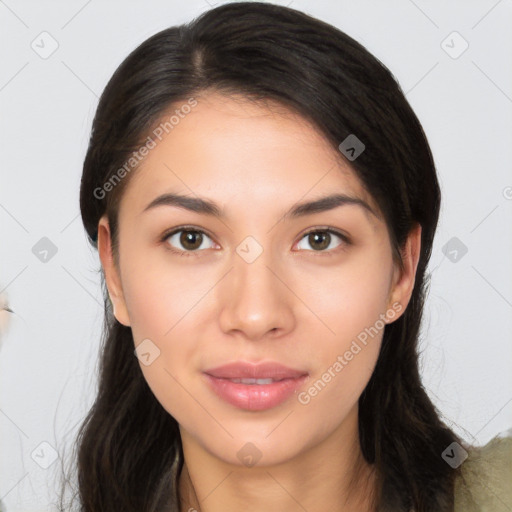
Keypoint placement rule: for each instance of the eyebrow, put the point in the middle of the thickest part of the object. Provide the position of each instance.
(207, 207)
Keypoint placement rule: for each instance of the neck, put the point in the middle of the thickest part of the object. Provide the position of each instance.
(331, 475)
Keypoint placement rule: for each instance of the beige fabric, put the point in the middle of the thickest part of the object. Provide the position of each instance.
(485, 484)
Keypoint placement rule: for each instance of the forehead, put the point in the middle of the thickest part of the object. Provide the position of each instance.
(234, 149)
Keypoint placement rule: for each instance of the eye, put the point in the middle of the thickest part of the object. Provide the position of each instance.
(190, 239)
(320, 240)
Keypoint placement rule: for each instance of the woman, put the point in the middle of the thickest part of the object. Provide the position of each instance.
(264, 201)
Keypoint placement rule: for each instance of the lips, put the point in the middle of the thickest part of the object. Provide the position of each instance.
(244, 370)
(254, 387)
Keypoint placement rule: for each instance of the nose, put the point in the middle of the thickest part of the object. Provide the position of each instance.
(256, 301)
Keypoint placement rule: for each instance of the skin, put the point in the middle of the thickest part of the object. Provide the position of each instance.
(294, 304)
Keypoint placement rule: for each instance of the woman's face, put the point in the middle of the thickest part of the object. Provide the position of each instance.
(252, 286)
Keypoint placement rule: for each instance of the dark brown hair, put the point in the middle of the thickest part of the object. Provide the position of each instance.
(129, 452)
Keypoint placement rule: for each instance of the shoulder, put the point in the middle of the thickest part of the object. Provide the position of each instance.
(485, 480)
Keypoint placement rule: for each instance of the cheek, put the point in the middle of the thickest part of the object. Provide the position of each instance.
(351, 297)
(332, 395)
(351, 302)
(159, 293)
(166, 306)
(166, 318)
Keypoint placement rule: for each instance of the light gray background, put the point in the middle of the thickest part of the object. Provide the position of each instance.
(48, 355)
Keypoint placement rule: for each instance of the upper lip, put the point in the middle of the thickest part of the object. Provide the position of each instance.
(242, 369)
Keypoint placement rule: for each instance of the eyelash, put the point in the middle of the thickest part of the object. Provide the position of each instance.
(346, 240)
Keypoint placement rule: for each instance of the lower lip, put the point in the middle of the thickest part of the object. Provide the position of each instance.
(255, 397)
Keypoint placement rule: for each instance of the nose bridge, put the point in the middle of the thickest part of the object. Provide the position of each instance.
(255, 300)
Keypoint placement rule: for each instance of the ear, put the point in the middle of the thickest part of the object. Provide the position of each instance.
(112, 276)
(403, 280)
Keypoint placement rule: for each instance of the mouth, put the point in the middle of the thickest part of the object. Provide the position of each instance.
(254, 387)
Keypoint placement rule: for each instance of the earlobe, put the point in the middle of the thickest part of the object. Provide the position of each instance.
(403, 280)
(112, 277)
